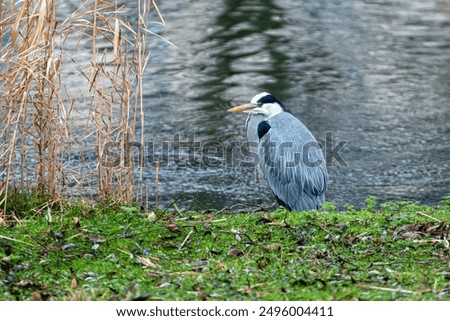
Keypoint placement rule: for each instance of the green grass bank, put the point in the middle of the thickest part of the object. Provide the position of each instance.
(78, 251)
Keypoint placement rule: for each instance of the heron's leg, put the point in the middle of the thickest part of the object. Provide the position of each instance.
(286, 212)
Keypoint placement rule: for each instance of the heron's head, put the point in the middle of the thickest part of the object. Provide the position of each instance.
(263, 103)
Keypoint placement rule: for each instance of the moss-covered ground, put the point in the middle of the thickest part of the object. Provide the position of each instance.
(77, 251)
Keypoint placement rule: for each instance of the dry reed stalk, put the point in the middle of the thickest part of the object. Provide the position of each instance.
(156, 185)
(51, 96)
(30, 100)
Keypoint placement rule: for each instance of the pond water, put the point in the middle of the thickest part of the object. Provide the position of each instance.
(372, 77)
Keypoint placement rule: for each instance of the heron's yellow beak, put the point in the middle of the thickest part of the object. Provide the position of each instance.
(241, 108)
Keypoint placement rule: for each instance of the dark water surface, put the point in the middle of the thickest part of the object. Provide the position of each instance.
(373, 73)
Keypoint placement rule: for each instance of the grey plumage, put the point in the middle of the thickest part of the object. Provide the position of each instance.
(289, 155)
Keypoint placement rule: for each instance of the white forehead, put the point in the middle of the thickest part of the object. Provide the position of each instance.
(258, 97)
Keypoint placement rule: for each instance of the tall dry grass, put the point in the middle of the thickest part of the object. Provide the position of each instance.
(71, 97)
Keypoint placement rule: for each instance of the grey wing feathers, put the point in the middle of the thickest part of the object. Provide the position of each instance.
(293, 163)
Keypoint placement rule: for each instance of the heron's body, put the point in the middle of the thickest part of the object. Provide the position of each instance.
(289, 155)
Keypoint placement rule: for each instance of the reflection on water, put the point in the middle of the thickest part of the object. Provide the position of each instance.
(374, 73)
(244, 47)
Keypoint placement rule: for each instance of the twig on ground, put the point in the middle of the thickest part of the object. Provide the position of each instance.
(228, 208)
(402, 291)
(186, 239)
(429, 216)
(14, 240)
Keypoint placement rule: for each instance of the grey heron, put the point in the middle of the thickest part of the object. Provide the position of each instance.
(288, 154)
